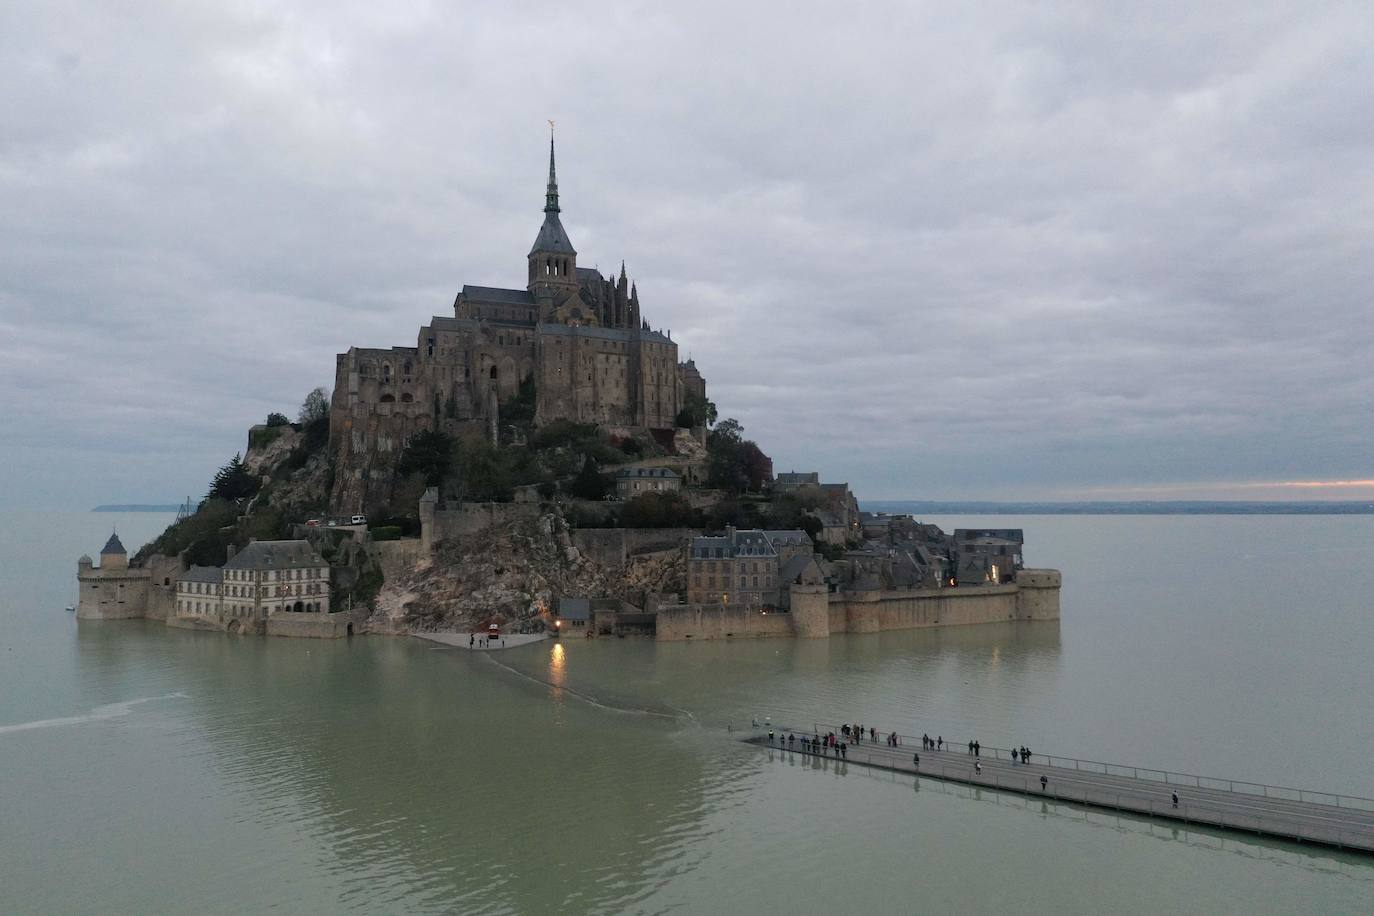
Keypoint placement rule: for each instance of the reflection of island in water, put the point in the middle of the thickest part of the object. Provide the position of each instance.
(428, 770)
(718, 682)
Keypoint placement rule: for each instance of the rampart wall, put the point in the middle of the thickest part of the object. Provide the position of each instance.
(308, 626)
(817, 614)
(699, 621)
(469, 518)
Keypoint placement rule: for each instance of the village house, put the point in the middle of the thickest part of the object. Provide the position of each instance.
(743, 566)
(632, 482)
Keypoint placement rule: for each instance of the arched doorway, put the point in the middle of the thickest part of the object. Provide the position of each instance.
(298, 607)
(349, 631)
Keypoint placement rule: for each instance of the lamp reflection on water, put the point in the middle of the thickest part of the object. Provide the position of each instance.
(558, 672)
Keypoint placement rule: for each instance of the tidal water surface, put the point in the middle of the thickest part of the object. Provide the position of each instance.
(160, 771)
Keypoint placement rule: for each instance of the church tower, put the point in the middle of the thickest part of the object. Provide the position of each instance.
(553, 261)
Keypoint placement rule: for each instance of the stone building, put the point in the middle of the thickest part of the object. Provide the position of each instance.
(632, 482)
(987, 554)
(200, 592)
(111, 590)
(743, 567)
(790, 481)
(270, 576)
(577, 337)
(264, 578)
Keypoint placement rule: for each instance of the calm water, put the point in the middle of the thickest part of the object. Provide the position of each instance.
(155, 771)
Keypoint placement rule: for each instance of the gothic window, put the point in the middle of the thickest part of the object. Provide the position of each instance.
(406, 398)
(386, 373)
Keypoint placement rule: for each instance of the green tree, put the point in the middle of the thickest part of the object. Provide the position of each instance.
(233, 481)
(277, 419)
(589, 483)
(484, 471)
(428, 453)
(658, 510)
(315, 407)
(696, 411)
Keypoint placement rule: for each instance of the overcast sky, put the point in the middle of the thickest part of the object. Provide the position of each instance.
(941, 251)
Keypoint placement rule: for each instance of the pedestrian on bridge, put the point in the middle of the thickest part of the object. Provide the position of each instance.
(939, 742)
(978, 767)
(1013, 756)
(916, 760)
(1174, 796)
(977, 748)
(1044, 781)
(844, 750)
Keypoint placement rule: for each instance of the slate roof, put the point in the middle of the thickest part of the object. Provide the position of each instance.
(574, 608)
(589, 273)
(112, 546)
(667, 473)
(202, 574)
(750, 542)
(552, 237)
(795, 567)
(276, 555)
(788, 536)
(497, 294)
(604, 333)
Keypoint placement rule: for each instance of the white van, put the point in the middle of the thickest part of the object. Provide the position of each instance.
(358, 520)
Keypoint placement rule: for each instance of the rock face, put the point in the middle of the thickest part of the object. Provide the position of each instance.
(512, 573)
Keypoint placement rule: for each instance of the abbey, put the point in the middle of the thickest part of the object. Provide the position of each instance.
(576, 337)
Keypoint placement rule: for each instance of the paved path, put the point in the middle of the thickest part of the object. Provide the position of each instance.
(460, 640)
(1306, 821)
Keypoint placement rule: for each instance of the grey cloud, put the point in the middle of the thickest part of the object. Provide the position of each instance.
(984, 250)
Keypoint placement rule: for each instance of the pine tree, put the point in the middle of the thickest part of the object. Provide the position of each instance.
(233, 481)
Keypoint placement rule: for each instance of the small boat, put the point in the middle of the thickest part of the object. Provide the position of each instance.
(70, 608)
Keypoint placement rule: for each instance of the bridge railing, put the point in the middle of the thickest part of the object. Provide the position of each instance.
(1167, 777)
(1316, 828)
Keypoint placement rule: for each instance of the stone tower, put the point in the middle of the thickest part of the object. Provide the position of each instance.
(113, 555)
(552, 259)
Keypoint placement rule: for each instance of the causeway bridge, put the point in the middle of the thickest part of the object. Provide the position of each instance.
(1323, 818)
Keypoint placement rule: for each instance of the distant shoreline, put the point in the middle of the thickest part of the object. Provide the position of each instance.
(1144, 507)
(136, 507)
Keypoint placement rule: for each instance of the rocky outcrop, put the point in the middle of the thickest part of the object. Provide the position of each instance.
(513, 572)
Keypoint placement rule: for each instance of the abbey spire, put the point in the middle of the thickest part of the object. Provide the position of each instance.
(552, 259)
(551, 190)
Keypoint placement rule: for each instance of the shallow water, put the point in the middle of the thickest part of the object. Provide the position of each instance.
(152, 770)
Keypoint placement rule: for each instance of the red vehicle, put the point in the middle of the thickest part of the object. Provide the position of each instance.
(493, 631)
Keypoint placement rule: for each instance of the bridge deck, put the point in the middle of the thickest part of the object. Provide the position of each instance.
(1288, 818)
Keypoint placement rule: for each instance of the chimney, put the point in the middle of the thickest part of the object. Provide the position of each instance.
(229, 552)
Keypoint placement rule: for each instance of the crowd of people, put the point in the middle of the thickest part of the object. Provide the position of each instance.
(837, 744)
